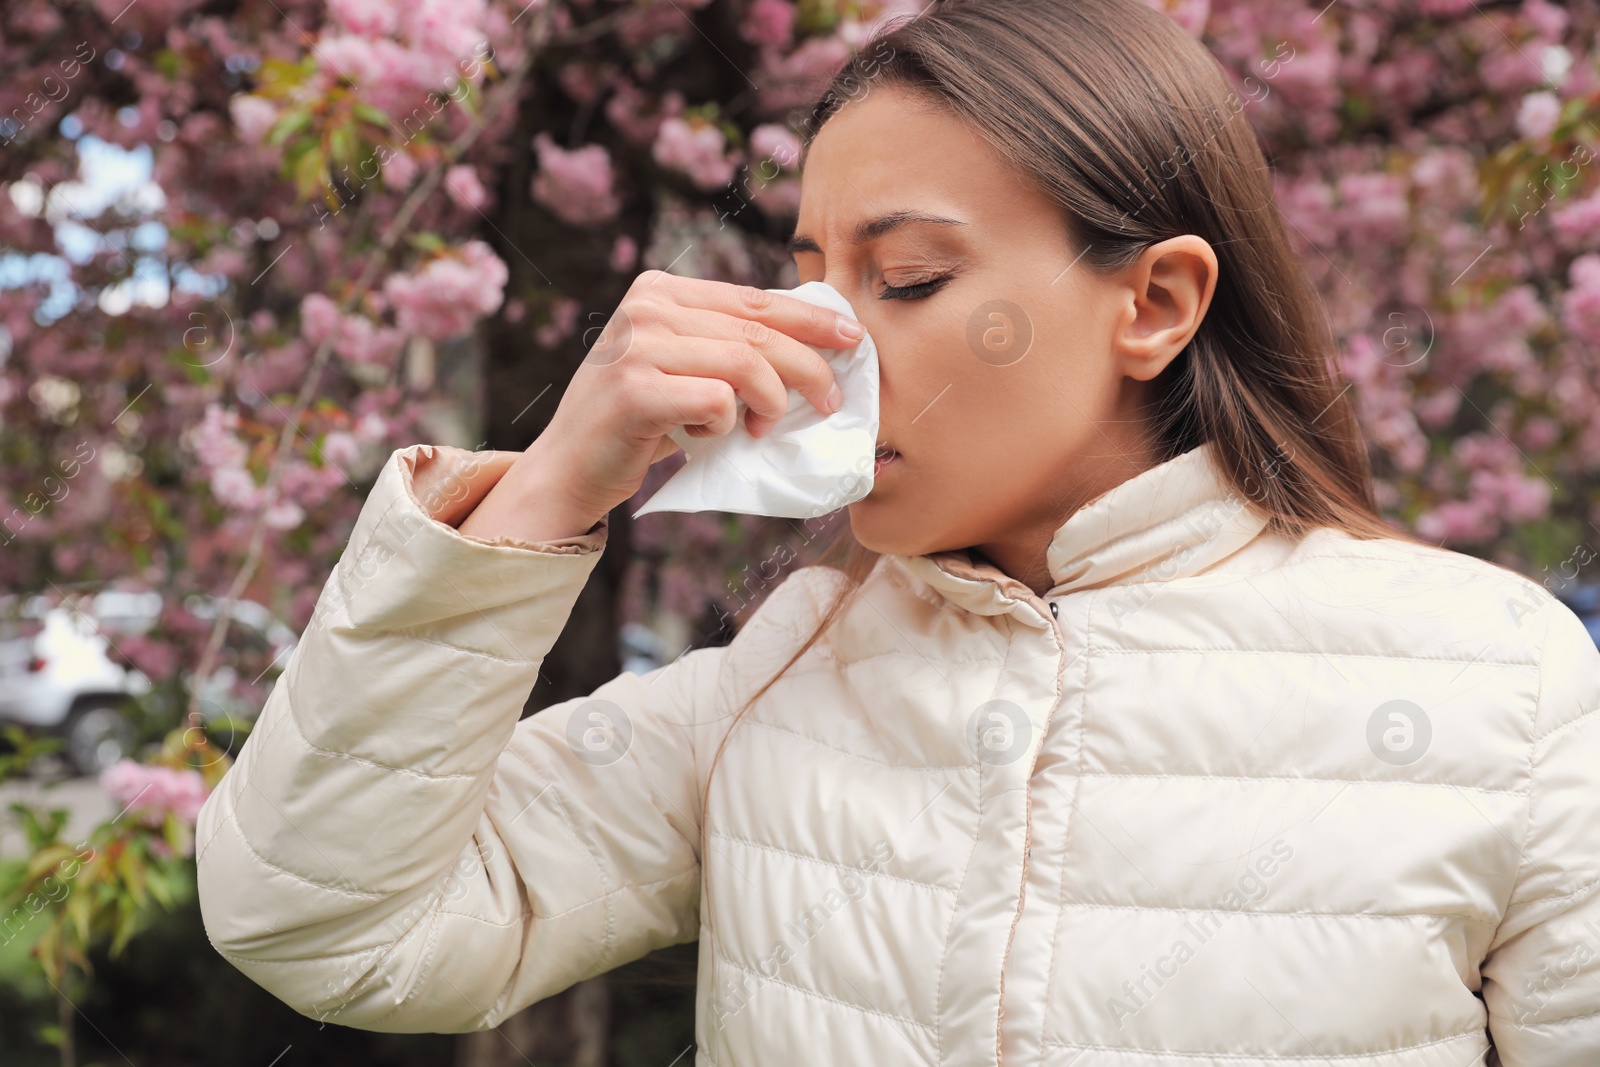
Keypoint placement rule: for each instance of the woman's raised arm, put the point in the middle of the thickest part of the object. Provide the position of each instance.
(393, 849)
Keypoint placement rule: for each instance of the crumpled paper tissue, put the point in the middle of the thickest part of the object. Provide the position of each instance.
(808, 464)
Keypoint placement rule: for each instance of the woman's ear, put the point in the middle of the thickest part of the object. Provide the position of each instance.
(1169, 288)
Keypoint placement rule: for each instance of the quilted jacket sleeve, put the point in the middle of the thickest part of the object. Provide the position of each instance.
(393, 849)
(1542, 971)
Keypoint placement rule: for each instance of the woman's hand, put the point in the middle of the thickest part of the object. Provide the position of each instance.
(677, 352)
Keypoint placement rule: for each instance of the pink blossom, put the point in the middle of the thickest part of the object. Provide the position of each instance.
(768, 22)
(340, 449)
(462, 184)
(1374, 205)
(393, 77)
(449, 293)
(399, 170)
(319, 317)
(252, 117)
(371, 428)
(638, 115)
(236, 488)
(1537, 115)
(624, 253)
(1516, 496)
(696, 148)
(359, 341)
(154, 791)
(1541, 432)
(1547, 20)
(774, 142)
(450, 29)
(1457, 520)
(284, 515)
(213, 439)
(1580, 313)
(370, 18)
(577, 185)
(1307, 202)
(1578, 222)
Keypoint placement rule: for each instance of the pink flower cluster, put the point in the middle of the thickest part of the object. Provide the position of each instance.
(696, 147)
(445, 297)
(153, 790)
(355, 337)
(252, 116)
(223, 455)
(461, 184)
(576, 186)
(1581, 306)
(398, 53)
(1500, 492)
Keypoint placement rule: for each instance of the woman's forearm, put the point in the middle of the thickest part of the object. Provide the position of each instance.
(527, 502)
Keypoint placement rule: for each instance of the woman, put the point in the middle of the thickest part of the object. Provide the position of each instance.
(1125, 732)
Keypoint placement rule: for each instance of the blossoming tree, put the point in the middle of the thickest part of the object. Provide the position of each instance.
(199, 379)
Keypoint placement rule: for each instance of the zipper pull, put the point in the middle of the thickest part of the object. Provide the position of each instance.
(1053, 612)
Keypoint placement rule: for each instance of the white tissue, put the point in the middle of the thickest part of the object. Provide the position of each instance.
(808, 464)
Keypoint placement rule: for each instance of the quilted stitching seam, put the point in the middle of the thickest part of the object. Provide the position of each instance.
(830, 863)
(1327, 781)
(824, 996)
(925, 767)
(1243, 650)
(1306, 914)
(599, 865)
(411, 772)
(312, 882)
(1275, 1056)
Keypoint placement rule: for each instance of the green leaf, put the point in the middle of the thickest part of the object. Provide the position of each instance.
(308, 172)
(369, 113)
(131, 868)
(342, 145)
(290, 122)
(426, 241)
(125, 926)
(80, 912)
(168, 64)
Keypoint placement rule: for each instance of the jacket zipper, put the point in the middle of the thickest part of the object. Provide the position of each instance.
(1027, 848)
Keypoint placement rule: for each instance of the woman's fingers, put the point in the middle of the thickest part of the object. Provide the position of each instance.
(790, 315)
(761, 364)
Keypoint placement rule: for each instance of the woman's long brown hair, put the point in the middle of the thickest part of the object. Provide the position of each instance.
(1133, 128)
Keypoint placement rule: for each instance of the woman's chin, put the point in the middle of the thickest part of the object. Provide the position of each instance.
(886, 528)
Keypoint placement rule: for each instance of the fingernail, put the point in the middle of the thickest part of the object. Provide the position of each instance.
(835, 398)
(852, 330)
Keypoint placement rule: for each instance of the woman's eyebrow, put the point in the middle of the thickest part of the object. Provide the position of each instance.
(870, 229)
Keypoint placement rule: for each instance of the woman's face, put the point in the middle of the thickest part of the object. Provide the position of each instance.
(1010, 378)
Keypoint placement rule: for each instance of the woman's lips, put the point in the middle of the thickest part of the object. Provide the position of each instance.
(885, 457)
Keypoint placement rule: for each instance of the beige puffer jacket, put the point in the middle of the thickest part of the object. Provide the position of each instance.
(1219, 800)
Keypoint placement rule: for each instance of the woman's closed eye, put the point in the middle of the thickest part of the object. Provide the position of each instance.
(915, 291)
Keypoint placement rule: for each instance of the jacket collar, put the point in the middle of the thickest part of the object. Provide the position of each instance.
(1170, 521)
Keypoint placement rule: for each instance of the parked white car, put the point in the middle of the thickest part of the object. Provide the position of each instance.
(56, 674)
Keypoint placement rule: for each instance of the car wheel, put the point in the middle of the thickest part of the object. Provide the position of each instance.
(97, 735)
